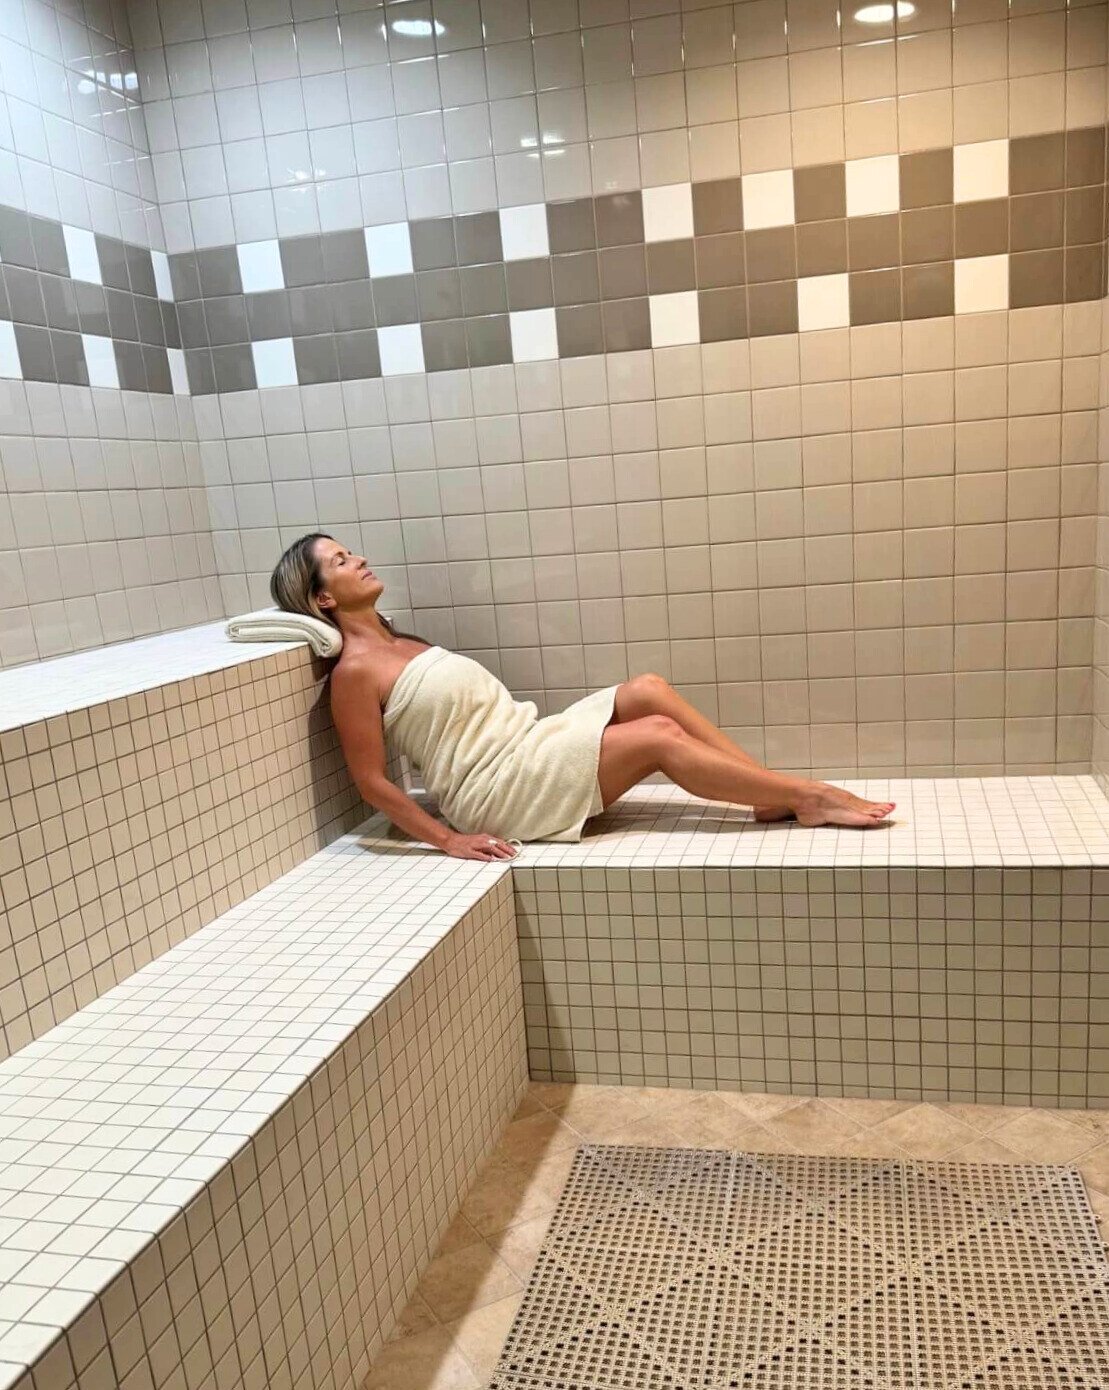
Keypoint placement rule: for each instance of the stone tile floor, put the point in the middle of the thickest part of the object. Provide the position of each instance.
(450, 1335)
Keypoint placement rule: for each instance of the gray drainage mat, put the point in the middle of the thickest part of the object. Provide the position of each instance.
(684, 1268)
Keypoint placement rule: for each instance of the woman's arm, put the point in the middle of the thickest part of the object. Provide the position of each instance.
(356, 710)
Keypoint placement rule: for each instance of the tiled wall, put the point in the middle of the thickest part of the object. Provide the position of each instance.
(983, 985)
(755, 345)
(126, 826)
(292, 1266)
(73, 141)
(624, 276)
(104, 525)
(1100, 762)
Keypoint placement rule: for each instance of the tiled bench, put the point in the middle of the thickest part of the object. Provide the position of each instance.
(960, 954)
(230, 1169)
(227, 1161)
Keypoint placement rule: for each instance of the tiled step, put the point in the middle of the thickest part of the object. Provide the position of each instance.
(229, 1169)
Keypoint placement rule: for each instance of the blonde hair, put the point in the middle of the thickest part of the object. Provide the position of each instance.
(296, 583)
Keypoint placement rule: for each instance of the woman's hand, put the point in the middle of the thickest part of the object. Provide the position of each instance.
(487, 847)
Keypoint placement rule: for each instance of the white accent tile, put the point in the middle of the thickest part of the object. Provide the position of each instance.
(389, 249)
(668, 212)
(534, 335)
(100, 358)
(823, 302)
(401, 348)
(674, 319)
(524, 232)
(873, 185)
(178, 376)
(981, 170)
(80, 250)
(163, 283)
(274, 362)
(260, 266)
(768, 199)
(9, 353)
(981, 284)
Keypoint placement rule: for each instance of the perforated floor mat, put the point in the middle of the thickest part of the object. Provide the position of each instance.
(700, 1269)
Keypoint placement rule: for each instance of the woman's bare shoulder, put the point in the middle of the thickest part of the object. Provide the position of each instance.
(356, 674)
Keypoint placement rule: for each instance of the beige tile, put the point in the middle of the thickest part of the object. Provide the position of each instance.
(534, 1136)
(1043, 1137)
(428, 1361)
(925, 1131)
(1094, 1167)
(453, 1284)
(983, 1118)
(811, 1125)
(983, 1150)
(502, 1196)
(519, 1246)
(865, 1112)
(480, 1334)
(458, 1235)
(416, 1317)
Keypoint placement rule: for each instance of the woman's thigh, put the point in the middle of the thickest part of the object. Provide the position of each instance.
(630, 751)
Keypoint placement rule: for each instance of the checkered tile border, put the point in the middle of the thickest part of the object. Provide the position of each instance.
(997, 224)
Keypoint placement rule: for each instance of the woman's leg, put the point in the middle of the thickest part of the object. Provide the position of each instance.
(651, 694)
(634, 749)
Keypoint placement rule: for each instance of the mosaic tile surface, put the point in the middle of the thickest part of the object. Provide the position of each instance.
(684, 1268)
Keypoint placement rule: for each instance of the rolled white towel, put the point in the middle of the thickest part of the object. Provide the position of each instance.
(275, 625)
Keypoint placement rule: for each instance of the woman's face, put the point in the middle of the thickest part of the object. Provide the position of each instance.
(346, 579)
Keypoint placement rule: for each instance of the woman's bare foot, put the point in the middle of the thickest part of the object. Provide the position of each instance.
(826, 805)
(768, 813)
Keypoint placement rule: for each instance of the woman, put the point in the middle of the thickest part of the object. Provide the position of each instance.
(495, 769)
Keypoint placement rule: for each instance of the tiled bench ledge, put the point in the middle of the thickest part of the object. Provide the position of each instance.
(230, 1169)
(144, 789)
(961, 954)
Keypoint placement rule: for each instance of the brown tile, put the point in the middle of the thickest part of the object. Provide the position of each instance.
(1085, 215)
(619, 219)
(439, 294)
(723, 314)
(576, 278)
(623, 271)
(1035, 221)
(1035, 277)
(875, 296)
(717, 207)
(720, 260)
(571, 226)
(579, 330)
(433, 244)
(928, 234)
(488, 343)
(1036, 163)
(483, 289)
(1085, 156)
(670, 266)
(873, 242)
(982, 229)
(394, 300)
(822, 247)
(358, 353)
(477, 236)
(529, 284)
(928, 291)
(1084, 276)
(819, 193)
(444, 345)
(771, 254)
(626, 324)
(772, 308)
(926, 178)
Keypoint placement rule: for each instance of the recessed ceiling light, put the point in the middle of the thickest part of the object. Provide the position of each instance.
(418, 28)
(884, 14)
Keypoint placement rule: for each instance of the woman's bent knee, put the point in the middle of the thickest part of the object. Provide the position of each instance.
(661, 729)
